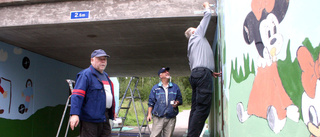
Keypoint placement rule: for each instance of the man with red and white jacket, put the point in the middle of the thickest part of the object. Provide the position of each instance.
(92, 100)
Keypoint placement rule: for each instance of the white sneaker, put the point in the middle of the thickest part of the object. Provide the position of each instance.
(274, 122)
(242, 115)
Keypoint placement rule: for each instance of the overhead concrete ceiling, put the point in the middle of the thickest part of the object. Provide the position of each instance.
(138, 47)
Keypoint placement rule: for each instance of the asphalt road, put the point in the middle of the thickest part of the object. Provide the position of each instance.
(180, 129)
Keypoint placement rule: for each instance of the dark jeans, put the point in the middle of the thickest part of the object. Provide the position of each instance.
(90, 129)
(201, 81)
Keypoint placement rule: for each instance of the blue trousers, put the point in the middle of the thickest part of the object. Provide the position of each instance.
(201, 81)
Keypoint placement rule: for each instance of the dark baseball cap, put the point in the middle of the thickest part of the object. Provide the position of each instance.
(99, 53)
(163, 69)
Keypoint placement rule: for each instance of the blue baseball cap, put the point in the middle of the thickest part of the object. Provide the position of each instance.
(99, 53)
(163, 70)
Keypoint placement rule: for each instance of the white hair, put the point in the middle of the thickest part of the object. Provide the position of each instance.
(188, 32)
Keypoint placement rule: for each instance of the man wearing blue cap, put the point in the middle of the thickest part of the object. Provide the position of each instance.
(163, 102)
(92, 99)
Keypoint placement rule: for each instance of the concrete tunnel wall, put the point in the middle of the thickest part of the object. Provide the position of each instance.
(33, 87)
(47, 94)
(33, 92)
(266, 90)
(59, 12)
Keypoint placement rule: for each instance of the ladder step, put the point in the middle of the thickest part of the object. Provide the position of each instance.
(132, 97)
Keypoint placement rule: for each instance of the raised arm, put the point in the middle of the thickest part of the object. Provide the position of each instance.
(202, 28)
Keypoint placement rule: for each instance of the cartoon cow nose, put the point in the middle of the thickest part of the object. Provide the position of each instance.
(273, 41)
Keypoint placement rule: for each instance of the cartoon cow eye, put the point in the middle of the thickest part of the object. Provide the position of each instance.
(269, 34)
(274, 29)
(313, 116)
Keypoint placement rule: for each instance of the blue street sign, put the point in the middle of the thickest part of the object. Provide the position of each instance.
(79, 14)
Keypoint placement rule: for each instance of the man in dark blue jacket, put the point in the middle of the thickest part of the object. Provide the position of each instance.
(163, 102)
(92, 100)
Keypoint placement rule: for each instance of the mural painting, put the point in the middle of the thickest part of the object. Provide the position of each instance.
(268, 99)
(5, 94)
(310, 78)
(33, 93)
(272, 67)
(29, 103)
(28, 94)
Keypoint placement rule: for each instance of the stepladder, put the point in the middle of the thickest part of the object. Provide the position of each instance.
(128, 100)
(71, 84)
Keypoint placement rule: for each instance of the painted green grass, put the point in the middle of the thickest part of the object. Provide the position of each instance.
(289, 72)
(255, 126)
(243, 72)
(43, 123)
(290, 75)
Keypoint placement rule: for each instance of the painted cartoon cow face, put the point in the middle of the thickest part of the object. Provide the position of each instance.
(310, 100)
(29, 83)
(261, 27)
(313, 121)
(270, 37)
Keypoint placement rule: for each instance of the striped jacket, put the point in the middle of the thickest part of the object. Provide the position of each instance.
(88, 99)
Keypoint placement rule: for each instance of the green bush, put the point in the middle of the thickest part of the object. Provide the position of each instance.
(131, 119)
(146, 83)
(144, 86)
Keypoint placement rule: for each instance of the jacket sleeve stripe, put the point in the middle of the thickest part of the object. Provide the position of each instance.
(78, 92)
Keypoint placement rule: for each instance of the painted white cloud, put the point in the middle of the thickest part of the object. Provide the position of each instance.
(3, 55)
(17, 51)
